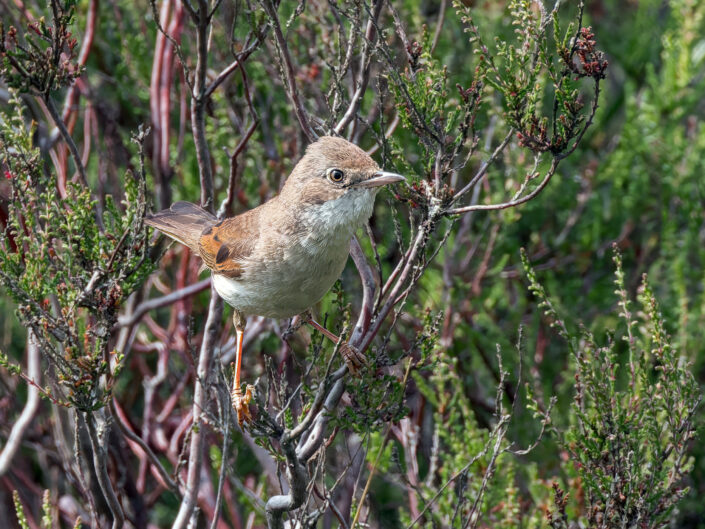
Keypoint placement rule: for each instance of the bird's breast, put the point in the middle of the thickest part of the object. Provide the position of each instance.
(292, 271)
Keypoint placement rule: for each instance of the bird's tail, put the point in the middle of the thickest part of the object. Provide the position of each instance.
(184, 222)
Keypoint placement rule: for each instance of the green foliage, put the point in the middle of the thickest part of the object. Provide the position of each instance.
(21, 517)
(632, 415)
(636, 180)
(47, 521)
(531, 67)
(39, 60)
(471, 477)
(460, 441)
(67, 265)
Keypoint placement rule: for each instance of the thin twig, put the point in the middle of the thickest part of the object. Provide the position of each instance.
(484, 167)
(86, 44)
(455, 476)
(132, 436)
(198, 105)
(406, 271)
(228, 70)
(364, 77)
(226, 206)
(369, 287)
(511, 203)
(328, 379)
(439, 24)
(66, 136)
(163, 301)
(223, 459)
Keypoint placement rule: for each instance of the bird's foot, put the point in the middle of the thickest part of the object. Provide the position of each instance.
(353, 358)
(241, 403)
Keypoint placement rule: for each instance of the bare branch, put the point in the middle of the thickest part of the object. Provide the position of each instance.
(34, 372)
(369, 286)
(512, 203)
(228, 70)
(100, 461)
(309, 445)
(485, 166)
(198, 105)
(287, 71)
(296, 474)
(132, 436)
(188, 502)
(226, 206)
(66, 136)
(439, 24)
(328, 379)
(405, 273)
(225, 413)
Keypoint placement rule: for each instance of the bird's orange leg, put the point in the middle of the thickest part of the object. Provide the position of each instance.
(354, 359)
(240, 401)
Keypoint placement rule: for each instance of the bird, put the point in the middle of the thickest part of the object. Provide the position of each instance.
(280, 258)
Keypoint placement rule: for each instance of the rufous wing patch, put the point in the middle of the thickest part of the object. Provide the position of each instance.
(224, 245)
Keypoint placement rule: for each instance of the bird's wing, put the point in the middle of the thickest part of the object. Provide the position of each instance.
(224, 245)
(183, 222)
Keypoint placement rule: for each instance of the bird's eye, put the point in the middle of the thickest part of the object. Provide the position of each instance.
(335, 175)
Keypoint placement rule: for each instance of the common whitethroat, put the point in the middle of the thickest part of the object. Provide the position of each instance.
(280, 258)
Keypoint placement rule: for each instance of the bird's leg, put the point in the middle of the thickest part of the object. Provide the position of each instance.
(354, 359)
(240, 401)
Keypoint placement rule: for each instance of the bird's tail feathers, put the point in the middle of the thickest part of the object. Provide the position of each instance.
(184, 222)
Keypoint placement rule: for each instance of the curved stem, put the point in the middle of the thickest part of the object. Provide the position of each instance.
(101, 471)
(25, 418)
(66, 136)
(510, 203)
(278, 505)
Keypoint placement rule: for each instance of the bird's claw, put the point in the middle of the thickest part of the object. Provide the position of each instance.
(241, 403)
(353, 358)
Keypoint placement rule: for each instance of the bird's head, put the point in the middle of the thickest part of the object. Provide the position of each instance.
(334, 168)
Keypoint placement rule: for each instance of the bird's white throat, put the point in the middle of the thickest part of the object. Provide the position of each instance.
(341, 216)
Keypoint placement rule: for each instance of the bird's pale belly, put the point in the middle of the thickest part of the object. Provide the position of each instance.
(297, 274)
(287, 287)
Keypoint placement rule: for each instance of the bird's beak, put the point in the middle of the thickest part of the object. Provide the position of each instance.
(381, 178)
